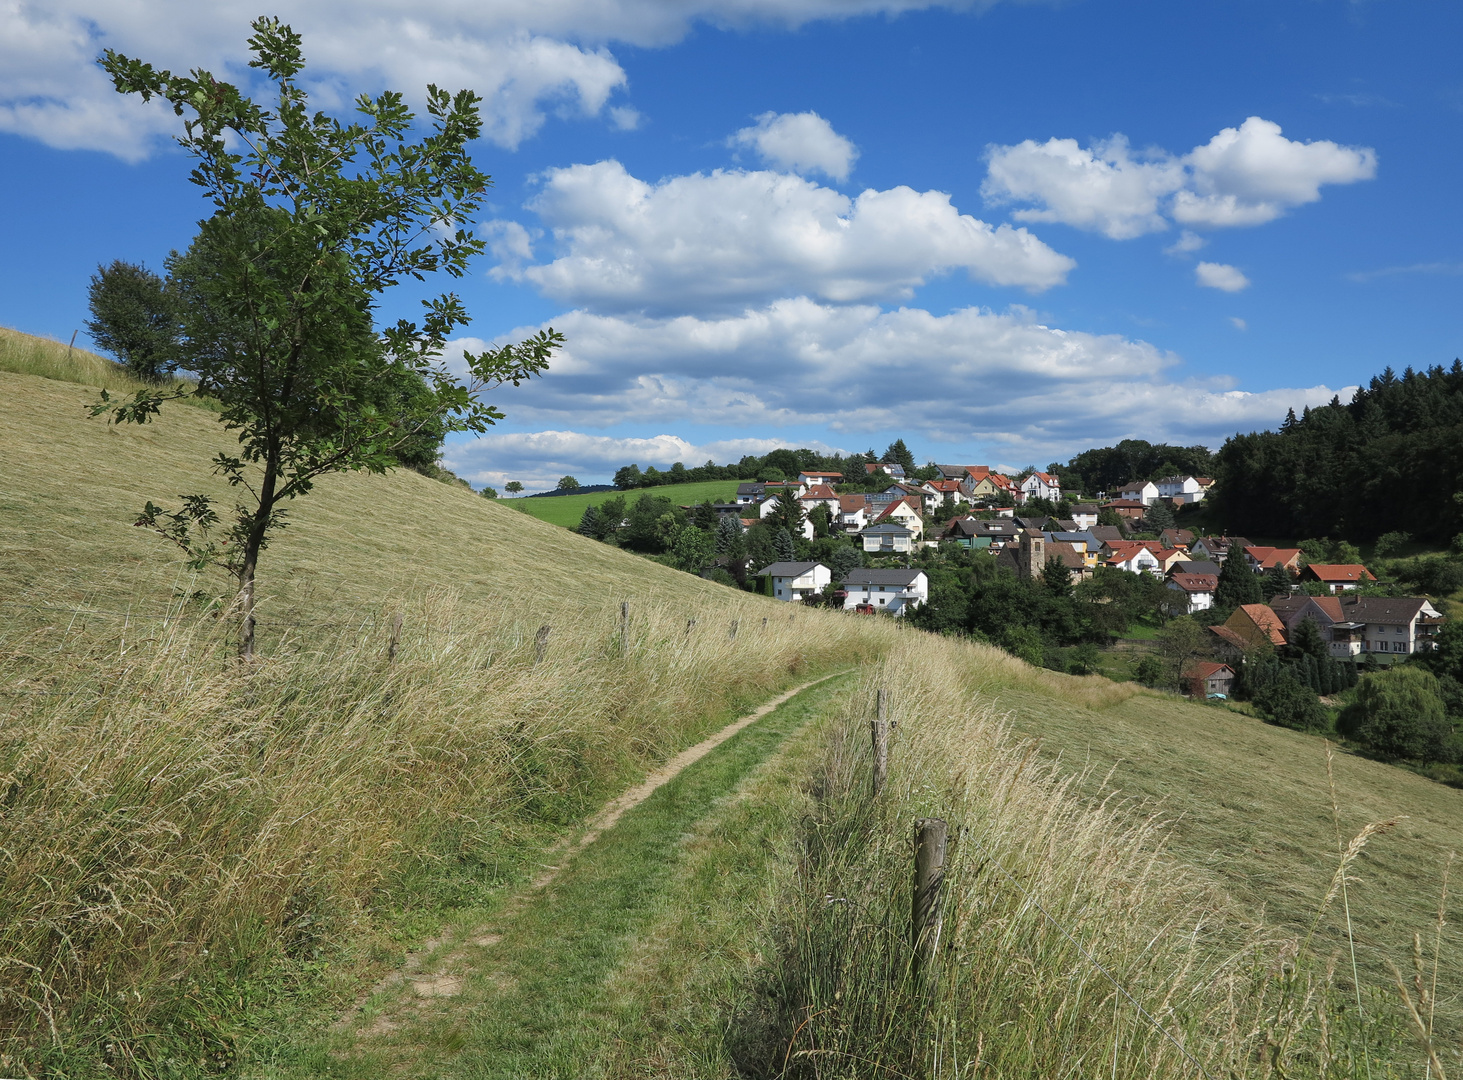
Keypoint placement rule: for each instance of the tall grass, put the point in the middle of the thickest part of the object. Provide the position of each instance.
(27, 354)
(1073, 945)
(174, 832)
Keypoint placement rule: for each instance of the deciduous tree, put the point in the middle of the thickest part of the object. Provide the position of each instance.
(135, 318)
(313, 220)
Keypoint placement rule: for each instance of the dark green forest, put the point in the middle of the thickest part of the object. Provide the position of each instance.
(1390, 460)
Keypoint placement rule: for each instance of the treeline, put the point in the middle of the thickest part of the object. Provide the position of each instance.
(1107, 468)
(779, 464)
(1389, 460)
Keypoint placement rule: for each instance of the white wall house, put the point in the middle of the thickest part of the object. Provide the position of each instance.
(901, 513)
(1181, 489)
(812, 479)
(887, 539)
(796, 581)
(820, 495)
(1145, 492)
(1133, 557)
(894, 591)
(1085, 515)
(1040, 485)
(853, 512)
(1198, 589)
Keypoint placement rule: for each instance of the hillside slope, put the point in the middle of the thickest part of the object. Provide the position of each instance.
(467, 752)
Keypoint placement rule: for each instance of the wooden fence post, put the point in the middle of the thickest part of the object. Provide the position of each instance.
(541, 643)
(930, 835)
(879, 729)
(731, 635)
(690, 625)
(396, 621)
(764, 622)
(624, 626)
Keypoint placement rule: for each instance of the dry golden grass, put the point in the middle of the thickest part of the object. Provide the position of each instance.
(1052, 903)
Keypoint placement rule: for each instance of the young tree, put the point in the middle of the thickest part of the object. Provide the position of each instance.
(489, 493)
(313, 220)
(845, 561)
(513, 487)
(898, 454)
(589, 523)
(1057, 578)
(135, 318)
(1237, 583)
(1181, 642)
(1276, 582)
(1159, 516)
(1308, 640)
(567, 483)
(782, 542)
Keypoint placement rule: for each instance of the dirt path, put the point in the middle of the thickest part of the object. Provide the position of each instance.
(448, 955)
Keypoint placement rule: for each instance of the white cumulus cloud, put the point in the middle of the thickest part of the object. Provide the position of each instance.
(973, 378)
(537, 459)
(800, 143)
(730, 238)
(1220, 276)
(1102, 188)
(1242, 176)
(528, 58)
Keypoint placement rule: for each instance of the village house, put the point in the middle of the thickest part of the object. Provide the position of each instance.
(1197, 589)
(1344, 639)
(796, 581)
(1216, 548)
(1261, 559)
(1337, 577)
(1176, 538)
(813, 479)
(1209, 677)
(1143, 491)
(752, 491)
(1131, 509)
(1393, 625)
(1085, 515)
(979, 532)
(887, 538)
(1181, 490)
(1088, 545)
(894, 591)
(1251, 626)
(904, 512)
(1040, 485)
(1134, 556)
(889, 468)
(945, 489)
(1192, 565)
(820, 495)
(853, 512)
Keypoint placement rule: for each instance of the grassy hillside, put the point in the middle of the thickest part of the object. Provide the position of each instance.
(188, 844)
(566, 510)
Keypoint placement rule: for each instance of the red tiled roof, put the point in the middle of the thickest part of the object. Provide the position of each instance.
(819, 491)
(1224, 633)
(1266, 621)
(1196, 583)
(1341, 572)
(1206, 668)
(848, 504)
(1126, 504)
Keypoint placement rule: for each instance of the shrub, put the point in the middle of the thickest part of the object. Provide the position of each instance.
(1150, 671)
(1285, 701)
(1398, 713)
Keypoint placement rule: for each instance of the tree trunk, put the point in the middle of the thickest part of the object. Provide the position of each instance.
(253, 544)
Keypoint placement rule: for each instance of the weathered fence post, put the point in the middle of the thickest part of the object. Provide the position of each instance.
(930, 835)
(731, 635)
(764, 622)
(690, 625)
(624, 626)
(541, 643)
(396, 621)
(879, 729)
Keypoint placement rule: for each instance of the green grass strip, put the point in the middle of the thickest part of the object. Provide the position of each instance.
(538, 1003)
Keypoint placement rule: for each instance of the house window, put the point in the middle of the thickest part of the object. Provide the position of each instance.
(883, 600)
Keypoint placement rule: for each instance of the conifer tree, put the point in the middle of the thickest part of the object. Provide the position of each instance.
(1237, 583)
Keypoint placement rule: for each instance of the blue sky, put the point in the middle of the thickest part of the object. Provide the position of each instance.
(1004, 232)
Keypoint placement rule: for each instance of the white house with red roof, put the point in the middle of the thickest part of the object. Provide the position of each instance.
(820, 495)
(1134, 556)
(813, 478)
(853, 512)
(1338, 577)
(1040, 485)
(1198, 590)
